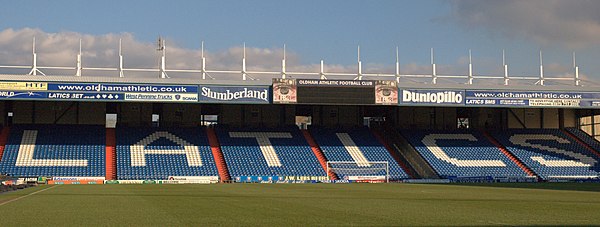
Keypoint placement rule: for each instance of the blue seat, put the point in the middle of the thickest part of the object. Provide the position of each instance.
(244, 157)
(365, 141)
(161, 166)
(56, 148)
(467, 154)
(550, 153)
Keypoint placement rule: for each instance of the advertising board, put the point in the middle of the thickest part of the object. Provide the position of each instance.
(98, 92)
(234, 94)
(285, 91)
(532, 99)
(23, 86)
(431, 97)
(386, 92)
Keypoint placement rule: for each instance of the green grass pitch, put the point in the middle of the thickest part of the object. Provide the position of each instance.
(556, 204)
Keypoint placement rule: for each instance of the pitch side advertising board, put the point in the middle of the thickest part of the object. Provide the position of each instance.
(98, 92)
(234, 94)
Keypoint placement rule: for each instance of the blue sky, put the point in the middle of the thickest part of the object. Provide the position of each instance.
(331, 30)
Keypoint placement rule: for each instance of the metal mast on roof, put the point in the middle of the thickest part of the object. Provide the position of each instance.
(34, 68)
(162, 47)
(203, 67)
(470, 76)
(541, 69)
(433, 71)
(283, 64)
(322, 71)
(244, 63)
(506, 79)
(78, 71)
(576, 68)
(397, 66)
(121, 59)
(359, 73)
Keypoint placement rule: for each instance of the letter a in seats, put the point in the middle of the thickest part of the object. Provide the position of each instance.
(139, 151)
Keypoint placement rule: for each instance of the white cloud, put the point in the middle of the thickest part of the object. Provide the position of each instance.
(572, 24)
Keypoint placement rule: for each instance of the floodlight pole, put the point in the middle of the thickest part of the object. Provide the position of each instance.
(78, 72)
(34, 68)
(470, 69)
(433, 69)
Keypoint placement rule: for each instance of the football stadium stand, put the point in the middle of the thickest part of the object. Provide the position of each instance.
(462, 153)
(157, 153)
(550, 153)
(357, 145)
(54, 150)
(279, 152)
(594, 145)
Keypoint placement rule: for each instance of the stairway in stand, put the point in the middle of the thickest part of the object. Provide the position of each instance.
(510, 155)
(218, 155)
(111, 154)
(3, 139)
(394, 154)
(318, 153)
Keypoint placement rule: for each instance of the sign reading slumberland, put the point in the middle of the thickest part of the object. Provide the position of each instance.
(234, 94)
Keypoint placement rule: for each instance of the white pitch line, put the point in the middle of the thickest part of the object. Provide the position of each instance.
(20, 197)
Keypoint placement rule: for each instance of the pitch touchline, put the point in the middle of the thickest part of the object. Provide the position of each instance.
(33, 193)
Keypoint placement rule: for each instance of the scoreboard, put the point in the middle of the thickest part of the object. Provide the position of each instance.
(336, 95)
(349, 92)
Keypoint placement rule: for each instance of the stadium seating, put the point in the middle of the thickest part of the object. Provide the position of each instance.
(357, 145)
(462, 153)
(54, 150)
(157, 153)
(550, 153)
(281, 152)
(593, 143)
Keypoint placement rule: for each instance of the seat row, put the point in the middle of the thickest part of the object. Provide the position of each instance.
(158, 153)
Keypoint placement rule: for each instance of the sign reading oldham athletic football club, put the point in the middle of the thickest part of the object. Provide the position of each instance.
(234, 94)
